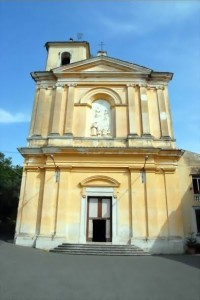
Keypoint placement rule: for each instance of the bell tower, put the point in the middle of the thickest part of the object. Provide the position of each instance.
(64, 53)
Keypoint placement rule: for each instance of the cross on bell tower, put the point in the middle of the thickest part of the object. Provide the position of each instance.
(101, 52)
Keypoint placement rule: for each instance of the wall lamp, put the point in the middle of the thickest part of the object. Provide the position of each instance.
(57, 171)
(142, 172)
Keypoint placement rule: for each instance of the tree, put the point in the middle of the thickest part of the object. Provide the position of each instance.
(10, 181)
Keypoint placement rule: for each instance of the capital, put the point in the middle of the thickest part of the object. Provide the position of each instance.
(72, 84)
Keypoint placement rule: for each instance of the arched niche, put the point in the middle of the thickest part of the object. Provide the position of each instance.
(103, 97)
(101, 119)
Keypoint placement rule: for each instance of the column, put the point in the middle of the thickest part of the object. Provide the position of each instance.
(163, 114)
(40, 112)
(69, 109)
(144, 111)
(57, 111)
(131, 110)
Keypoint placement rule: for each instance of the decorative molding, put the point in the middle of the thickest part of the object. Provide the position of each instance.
(59, 85)
(105, 181)
(160, 87)
(72, 84)
(104, 93)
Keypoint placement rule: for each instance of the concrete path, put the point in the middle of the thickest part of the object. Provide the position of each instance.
(30, 274)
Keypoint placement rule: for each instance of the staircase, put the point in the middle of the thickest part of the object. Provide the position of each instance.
(99, 249)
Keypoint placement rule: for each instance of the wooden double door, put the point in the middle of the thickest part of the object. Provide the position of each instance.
(99, 219)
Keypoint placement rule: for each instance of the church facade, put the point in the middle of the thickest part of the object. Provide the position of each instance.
(101, 163)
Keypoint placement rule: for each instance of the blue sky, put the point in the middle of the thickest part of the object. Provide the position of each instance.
(161, 35)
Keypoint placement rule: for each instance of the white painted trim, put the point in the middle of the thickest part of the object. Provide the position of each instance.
(82, 237)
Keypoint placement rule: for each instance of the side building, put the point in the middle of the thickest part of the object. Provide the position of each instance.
(189, 183)
(101, 160)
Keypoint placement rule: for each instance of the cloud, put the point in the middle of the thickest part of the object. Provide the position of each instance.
(120, 26)
(143, 18)
(7, 117)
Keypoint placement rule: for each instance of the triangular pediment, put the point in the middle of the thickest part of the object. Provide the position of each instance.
(101, 65)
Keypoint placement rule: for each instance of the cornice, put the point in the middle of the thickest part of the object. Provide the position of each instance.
(43, 75)
(133, 151)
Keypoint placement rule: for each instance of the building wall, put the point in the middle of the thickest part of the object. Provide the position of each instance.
(189, 165)
(66, 110)
(50, 209)
(100, 126)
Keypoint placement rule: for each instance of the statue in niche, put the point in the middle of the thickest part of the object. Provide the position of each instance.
(100, 119)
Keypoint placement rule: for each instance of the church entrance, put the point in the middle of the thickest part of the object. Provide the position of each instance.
(99, 219)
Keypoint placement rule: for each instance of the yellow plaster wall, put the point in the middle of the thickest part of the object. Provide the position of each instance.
(29, 204)
(49, 204)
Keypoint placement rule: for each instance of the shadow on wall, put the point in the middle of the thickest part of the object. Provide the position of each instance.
(172, 236)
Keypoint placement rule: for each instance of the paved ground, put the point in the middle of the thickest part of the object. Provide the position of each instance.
(30, 274)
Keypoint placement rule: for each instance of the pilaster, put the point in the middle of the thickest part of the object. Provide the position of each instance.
(163, 113)
(63, 199)
(33, 117)
(175, 218)
(29, 203)
(138, 207)
(144, 111)
(47, 227)
(47, 116)
(58, 111)
(70, 109)
(131, 110)
(168, 111)
(40, 112)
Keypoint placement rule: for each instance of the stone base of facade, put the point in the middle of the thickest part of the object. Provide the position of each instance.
(25, 240)
(39, 242)
(160, 245)
(153, 246)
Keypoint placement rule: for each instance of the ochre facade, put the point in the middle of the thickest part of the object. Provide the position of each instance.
(101, 155)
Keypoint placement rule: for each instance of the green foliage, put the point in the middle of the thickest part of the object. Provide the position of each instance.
(10, 181)
(190, 241)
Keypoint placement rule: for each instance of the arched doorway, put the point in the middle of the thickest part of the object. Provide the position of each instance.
(99, 210)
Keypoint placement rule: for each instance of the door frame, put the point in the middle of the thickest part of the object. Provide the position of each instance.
(104, 192)
(99, 217)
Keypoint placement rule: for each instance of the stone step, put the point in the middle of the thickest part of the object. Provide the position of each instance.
(99, 249)
(77, 246)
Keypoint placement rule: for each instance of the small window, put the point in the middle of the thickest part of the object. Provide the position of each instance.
(65, 58)
(196, 184)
